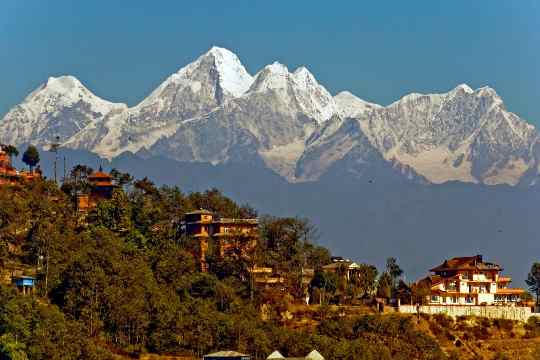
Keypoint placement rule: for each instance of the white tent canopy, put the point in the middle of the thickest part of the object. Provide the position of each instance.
(275, 355)
(314, 355)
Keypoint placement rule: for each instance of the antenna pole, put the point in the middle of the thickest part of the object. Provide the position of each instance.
(54, 148)
(55, 159)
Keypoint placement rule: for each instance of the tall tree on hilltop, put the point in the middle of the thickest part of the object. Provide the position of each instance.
(533, 281)
(384, 286)
(393, 269)
(80, 173)
(77, 182)
(31, 157)
(366, 280)
(121, 178)
(326, 283)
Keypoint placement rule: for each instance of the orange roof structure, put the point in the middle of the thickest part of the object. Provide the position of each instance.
(100, 175)
(466, 263)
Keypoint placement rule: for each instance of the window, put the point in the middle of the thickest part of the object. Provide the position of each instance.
(469, 300)
(434, 298)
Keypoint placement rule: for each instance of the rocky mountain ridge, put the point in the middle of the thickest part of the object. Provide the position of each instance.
(214, 111)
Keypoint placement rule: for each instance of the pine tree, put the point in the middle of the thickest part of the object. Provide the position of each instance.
(533, 281)
(31, 157)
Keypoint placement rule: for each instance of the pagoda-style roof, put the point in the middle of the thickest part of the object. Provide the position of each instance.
(466, 263)
(102, 183)
(99, 175)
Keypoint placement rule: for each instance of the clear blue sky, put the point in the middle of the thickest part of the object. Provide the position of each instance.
(379, 50)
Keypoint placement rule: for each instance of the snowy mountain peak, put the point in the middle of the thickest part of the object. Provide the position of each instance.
(304, 78)
(64, 83)
(488, 92)
(233, 76)
(275, 76)
(62, 106)
(217, 71)
(213, 110)
(65, 90)
(464, 88)
(350, 105)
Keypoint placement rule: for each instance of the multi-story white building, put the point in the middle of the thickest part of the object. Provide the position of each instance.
(470, 281)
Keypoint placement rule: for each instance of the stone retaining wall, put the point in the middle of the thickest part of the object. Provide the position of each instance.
(519, 313)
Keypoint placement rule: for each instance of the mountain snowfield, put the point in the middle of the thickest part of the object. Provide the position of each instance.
(214, 111)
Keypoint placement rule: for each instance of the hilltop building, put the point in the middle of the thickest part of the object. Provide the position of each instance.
(10, 175)
(267, 276)
(470, 281)
(24, 284)
(344, 268)
(231, 237)
(101, 188)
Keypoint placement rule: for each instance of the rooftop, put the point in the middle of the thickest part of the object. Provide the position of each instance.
(347, 264)
(466, 263)
(200, 212)
(237, 221)
(225, 354)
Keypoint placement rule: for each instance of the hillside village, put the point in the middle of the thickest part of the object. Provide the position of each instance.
(64, 246)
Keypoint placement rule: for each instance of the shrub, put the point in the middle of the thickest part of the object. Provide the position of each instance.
(443, 320)
(504, 324)
(480, 332)
(533, 327)
(485, 322)
(436, 329)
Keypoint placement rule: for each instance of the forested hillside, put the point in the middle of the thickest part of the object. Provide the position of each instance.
(121, 281)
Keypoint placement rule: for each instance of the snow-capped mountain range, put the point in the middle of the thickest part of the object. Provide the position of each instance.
(213, 110)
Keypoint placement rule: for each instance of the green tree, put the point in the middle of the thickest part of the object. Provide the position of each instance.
(113, 214)
(31, 157)
(393, 269)
(326, 283)
(366, 280)
(121, 178)
(80, 172)
(10, 150)
(384, 286)
(533, 281)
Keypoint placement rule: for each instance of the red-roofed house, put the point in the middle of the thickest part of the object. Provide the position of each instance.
(470, 281)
